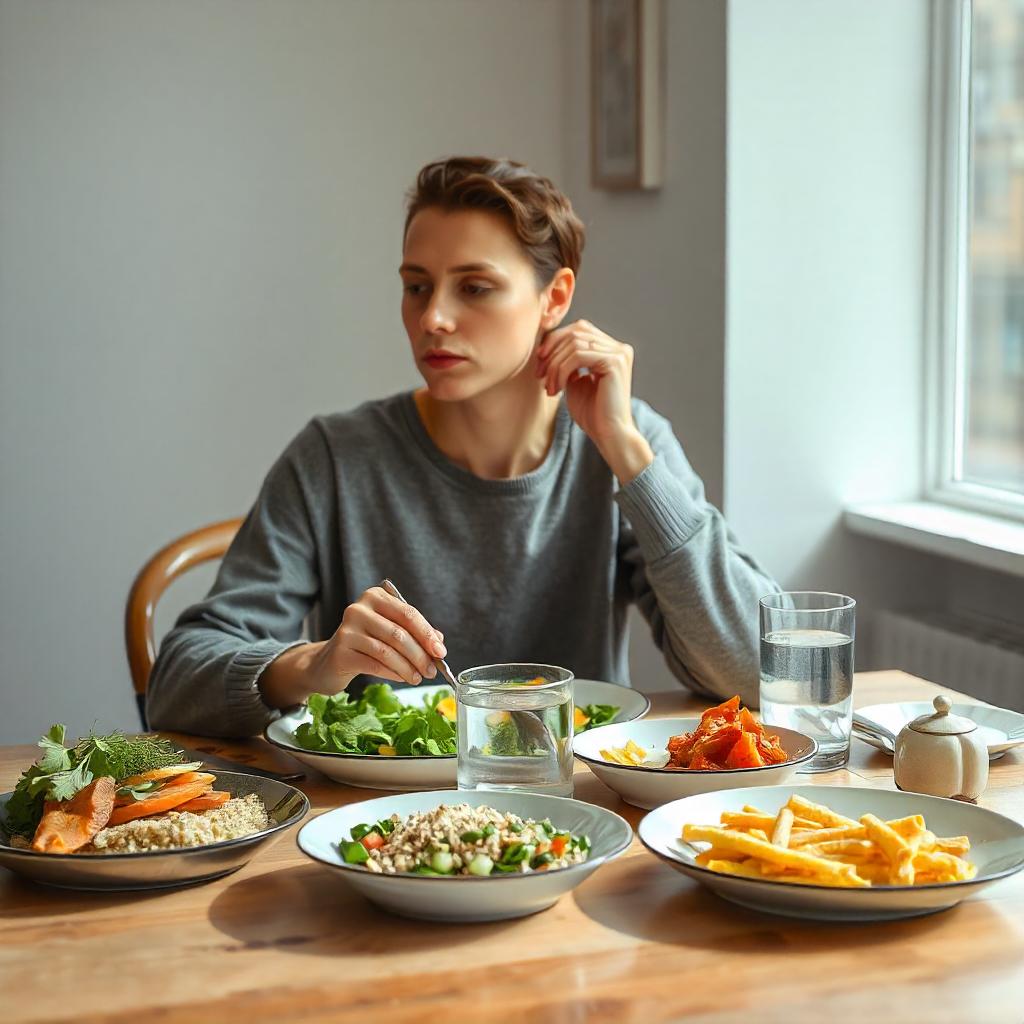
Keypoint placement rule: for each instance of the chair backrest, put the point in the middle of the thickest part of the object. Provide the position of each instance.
(202, 545)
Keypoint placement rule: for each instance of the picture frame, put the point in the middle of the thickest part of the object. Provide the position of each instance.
(627, 93)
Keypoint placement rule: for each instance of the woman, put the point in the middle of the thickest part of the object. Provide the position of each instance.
(521, 500)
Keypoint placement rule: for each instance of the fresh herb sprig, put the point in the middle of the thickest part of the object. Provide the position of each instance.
(63, 771)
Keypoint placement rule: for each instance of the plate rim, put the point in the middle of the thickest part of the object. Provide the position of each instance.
(404, 758)
(223, 844)
(960, 708)
(359, 871)
(674, 860)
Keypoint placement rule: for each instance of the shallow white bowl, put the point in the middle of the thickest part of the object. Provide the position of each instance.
(468, 898)
(997, 848)
(649, 787)
(427, 771)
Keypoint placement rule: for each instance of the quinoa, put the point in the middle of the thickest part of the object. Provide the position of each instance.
(240, 816)
(425, 832)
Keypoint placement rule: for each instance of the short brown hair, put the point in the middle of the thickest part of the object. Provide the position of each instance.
(541, 216)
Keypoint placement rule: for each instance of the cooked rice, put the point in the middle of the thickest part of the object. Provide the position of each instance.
(240, 816)
(422, 831)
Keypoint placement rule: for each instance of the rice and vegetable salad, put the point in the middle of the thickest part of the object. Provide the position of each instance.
(462, 841)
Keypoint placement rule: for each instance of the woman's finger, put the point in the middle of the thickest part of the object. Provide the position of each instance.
(409, 618)
(385, 655)
(367, 666)
(597, 361)
(397, 637)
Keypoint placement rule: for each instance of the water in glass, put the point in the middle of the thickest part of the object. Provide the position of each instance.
(516, 737)
(807, 685)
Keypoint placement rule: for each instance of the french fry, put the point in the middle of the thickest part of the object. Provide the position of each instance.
(746, 821)
(783, 827)
(809, 844)
(896, 849)
(818, 812)
(753, 869)
(823, 835)
(764, 850)
(957, 845)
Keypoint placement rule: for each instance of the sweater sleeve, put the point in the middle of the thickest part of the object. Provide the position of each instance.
(694, 585)
(205, 676)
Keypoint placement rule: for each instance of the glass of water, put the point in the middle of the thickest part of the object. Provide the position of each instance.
(807, 670)
(515, 728)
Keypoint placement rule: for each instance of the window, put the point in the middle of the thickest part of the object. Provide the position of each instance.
(977, 255)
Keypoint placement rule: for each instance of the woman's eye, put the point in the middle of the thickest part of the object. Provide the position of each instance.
(414, 289)
(477, 289)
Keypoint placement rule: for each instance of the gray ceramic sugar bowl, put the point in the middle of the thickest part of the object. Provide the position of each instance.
(941, 754)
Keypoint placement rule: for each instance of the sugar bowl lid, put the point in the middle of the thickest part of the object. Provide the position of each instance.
(942, 723)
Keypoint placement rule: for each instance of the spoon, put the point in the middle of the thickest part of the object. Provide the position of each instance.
(442, 665)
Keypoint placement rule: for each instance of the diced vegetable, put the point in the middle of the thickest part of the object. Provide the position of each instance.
(481, 865)
(471, 837)
(442, 862)
(372, 841)
(354, 853)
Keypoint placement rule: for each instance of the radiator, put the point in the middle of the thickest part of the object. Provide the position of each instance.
(979, 656)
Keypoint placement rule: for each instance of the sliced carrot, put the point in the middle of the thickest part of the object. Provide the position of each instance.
(166, 799)
(187, 780)
(206, 802)
(161, 773)
(67, 825)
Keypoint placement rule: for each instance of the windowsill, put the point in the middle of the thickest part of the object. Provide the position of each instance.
(983, 540)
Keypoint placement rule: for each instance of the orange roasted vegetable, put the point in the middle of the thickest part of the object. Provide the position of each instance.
(167, 799)
(206, 802)
(728, 736)
(68, 825)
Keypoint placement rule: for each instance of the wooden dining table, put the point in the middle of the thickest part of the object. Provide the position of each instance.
(285, 939)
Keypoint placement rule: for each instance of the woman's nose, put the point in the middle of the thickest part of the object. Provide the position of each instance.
(436, 317)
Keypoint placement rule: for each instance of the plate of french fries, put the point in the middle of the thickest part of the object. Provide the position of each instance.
(835, 852)
(632, 758)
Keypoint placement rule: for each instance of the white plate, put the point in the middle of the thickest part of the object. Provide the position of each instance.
(649, 787)
(427, 771)
(997, 848)
(1000, 728)
(494, 898)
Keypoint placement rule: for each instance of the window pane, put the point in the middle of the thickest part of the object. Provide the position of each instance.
(993, 417)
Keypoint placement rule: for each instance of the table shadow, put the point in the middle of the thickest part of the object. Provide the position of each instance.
(22, 898)
(306, 910)
(652, 902)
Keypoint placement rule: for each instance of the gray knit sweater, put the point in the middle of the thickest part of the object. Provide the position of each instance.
(538, 568)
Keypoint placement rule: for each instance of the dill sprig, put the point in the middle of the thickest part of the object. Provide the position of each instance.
(62, 771)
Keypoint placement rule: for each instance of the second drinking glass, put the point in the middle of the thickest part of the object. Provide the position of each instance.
(807, 670)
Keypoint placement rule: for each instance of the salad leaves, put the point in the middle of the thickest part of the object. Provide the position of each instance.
(62, 771)
(378, 719)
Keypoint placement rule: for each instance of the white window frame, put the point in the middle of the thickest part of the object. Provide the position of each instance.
(947, 293)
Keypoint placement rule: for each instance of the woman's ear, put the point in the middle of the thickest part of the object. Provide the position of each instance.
(558, 298)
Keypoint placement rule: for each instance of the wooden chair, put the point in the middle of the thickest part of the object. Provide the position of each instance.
(202, 545)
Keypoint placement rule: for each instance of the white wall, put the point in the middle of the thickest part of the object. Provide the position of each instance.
(654, 268)
(827, 146)
(200, 217)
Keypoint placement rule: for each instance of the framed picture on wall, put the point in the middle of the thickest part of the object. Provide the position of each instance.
(627, 93)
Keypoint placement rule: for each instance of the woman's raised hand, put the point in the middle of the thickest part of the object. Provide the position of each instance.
(596, 373)
(382, 636)
(378, 636)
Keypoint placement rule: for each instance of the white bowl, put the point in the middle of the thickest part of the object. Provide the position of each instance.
(648, 787)
(997, 848)
(427, 771)
(467, 898)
